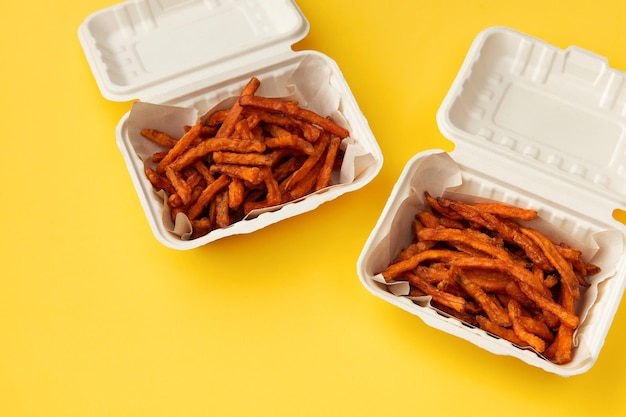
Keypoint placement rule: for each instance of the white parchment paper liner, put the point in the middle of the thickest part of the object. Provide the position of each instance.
(440, 176)
(309, 84)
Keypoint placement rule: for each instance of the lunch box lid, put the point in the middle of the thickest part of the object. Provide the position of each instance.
(157, 50)
(541, 118)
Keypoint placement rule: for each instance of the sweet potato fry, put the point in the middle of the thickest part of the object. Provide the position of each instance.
(497, 330)
(480, 243)
(309, 132)
(518, 272)
(395, 269)
(201, 226)
(181, 146)
(507, 230)
(506, 211)
(232, 117)
(306, 184)
(307, 166)
(222, 212)
(566, 317)
(159, 182)
(209, 192)
(563, 267)
(454, 302)
(182, 188)
(490, 281)
(428, 219)
(437, 207)
(537, 327)
(159, 137)
(291, 108)
(492, 308)
(215, 145)
(273, 190)
(249, 158)
(251, 174)
(515, 312)
(236, 192)
(323, 180)
(291, 141)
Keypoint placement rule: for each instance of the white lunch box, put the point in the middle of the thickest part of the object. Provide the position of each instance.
(537, 127)
(178, 59)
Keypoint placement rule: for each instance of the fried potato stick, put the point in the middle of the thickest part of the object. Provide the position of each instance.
(395, 269)
(249, 158)
(506, 211)
(236, 192)
(182, 188)
(291, 141)
(159, 182)
(506, 230)
(480, 243)
(274, 195)
(291, 108)
(214, 145)
(490, 281)
(515, 312)
(521, 276)
(207, 195)
(159, 137)
(560, 351)
(323, 179)
(493, 309)
(502, 332)
(311, 161)
(233, 115)
(306, 185)
(537, 327)
(200, 227)
(253, 175)
(563, 267)
(516, 271)
(444, 211)
(454, 302)
(222, 213)
(242, 130)
(181, 146)
(428, 219)
(567, 318)
(288, 123)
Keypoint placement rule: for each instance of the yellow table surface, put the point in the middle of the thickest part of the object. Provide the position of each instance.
(99, 319)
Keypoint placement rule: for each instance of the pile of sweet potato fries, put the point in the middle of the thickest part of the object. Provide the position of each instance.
(261, 152)
(479, 264)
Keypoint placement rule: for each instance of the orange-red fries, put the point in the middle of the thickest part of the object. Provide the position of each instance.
(259, 153)
(479, 264)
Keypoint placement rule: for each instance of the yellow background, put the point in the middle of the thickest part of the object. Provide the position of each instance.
(99, 319)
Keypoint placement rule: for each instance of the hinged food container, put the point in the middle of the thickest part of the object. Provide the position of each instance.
(178, 59)
(537, 127)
